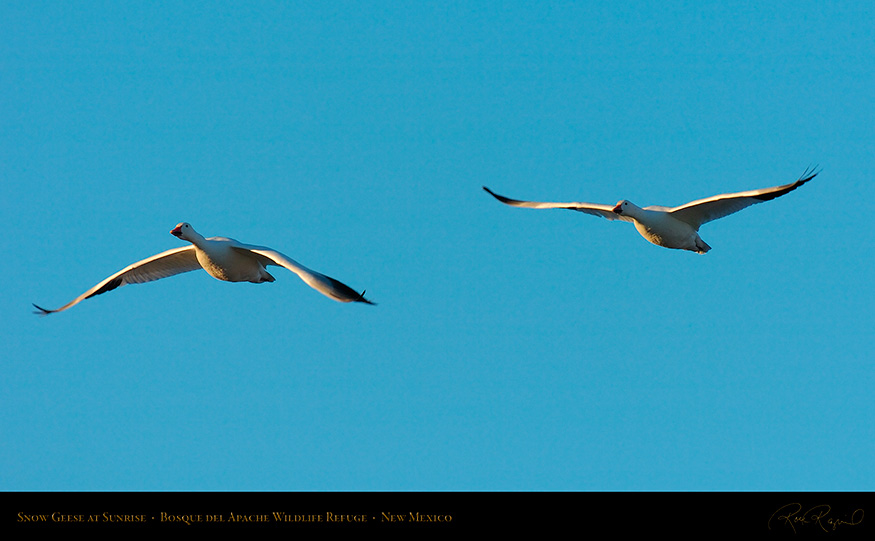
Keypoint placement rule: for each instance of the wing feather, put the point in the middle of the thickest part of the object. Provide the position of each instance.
(328, 286)
(703, 211)
(604, 211)
(169, 263)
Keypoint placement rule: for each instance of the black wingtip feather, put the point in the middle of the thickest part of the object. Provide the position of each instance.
(503, 199)
(363, 299)
(810, 173)
(42, 311)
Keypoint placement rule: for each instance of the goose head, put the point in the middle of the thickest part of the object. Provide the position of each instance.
(183, 230)
(627, 208)
(622, 207)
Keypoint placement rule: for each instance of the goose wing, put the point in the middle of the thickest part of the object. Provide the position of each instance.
(331, 288)
(605, 211)
(703, 211)
(158, 266)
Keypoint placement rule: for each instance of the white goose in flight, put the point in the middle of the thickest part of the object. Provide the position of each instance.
(676, 227)
(224, 259)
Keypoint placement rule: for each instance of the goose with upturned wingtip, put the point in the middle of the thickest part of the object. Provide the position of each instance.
(676, 227)
(224, 259)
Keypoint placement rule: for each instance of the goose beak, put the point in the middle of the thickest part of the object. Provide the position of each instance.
(618, 209)
(176, 232)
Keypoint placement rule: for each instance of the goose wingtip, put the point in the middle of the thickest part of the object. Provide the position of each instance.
(810, 172)
(42, 311)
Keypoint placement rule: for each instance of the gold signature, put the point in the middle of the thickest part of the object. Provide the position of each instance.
(791, 515)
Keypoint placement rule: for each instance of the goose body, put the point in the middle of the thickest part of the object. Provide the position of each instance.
(222, 258)
(676, 227)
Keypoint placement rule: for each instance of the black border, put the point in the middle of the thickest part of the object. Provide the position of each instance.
(643, 513)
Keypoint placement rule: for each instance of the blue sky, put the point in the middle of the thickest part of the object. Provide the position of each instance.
(511, 349)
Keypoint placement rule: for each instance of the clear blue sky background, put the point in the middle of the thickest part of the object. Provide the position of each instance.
(511, 349)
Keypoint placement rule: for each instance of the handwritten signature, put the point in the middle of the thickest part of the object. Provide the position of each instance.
(791, 515)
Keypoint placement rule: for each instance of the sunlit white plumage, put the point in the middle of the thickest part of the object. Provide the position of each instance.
(224, 259)
(676, 227)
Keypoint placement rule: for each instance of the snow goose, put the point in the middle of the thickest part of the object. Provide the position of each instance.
(676, 227)
(224, 259)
